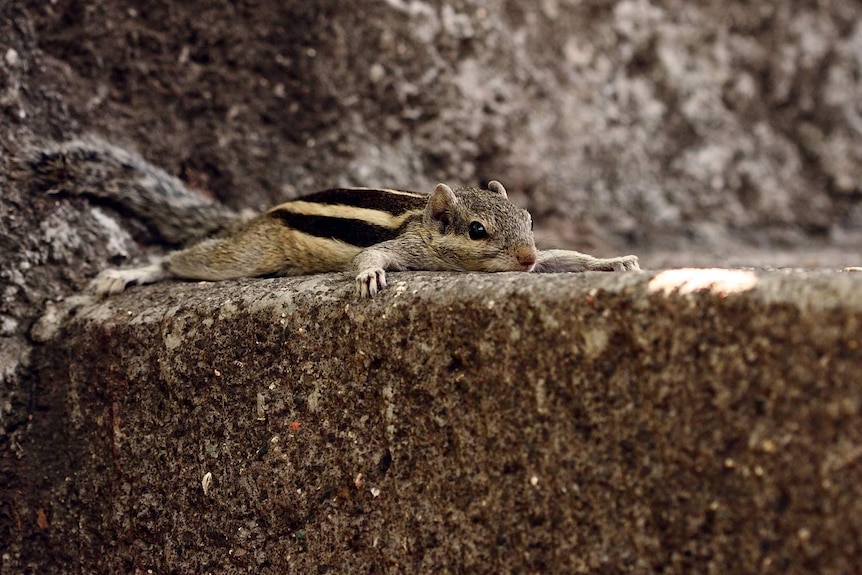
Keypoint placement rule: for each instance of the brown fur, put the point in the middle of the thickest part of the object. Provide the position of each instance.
(362, 230)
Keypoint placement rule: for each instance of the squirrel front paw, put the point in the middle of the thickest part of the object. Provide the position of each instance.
(370, 281)
(626, 264)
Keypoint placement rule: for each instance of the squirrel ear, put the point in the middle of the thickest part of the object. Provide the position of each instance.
(441, 202)
(496, 186)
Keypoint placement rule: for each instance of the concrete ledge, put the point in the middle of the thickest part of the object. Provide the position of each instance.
(681, 421)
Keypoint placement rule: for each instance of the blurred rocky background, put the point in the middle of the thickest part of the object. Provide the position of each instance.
(633, 124)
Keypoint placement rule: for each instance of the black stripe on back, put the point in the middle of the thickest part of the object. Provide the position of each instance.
(372, 199)
(350, 231)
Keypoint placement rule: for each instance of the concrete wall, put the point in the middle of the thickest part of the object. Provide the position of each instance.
(681, 421)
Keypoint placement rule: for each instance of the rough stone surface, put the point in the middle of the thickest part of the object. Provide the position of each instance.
(683, 421)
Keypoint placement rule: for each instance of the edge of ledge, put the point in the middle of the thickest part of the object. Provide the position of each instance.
(810, 289)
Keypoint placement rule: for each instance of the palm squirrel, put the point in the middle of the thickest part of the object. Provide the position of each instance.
(365, 231)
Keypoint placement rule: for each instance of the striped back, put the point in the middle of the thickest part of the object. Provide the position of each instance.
(357, 216)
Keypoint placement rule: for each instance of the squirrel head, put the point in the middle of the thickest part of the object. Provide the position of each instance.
(480, 230)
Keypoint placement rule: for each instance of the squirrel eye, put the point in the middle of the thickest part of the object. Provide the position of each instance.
(477, 231)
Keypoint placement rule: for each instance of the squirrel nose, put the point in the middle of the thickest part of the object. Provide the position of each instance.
(526, 256)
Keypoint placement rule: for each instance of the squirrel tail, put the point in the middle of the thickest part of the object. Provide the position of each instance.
(92, 167)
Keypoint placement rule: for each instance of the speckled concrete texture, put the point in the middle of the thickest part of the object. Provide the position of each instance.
(684, 421)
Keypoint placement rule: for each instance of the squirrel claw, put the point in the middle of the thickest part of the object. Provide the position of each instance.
(626, 264)
(370, 281)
